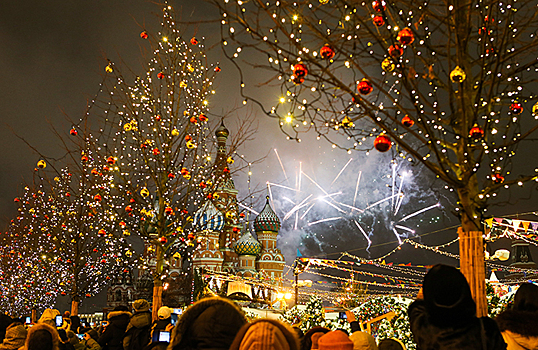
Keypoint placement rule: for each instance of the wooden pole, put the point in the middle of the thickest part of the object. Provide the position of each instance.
(157, 301)
(74, 308)
(473, 267)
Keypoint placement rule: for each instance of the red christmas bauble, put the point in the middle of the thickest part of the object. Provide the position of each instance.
(97, 198)
(190, 236)
(171, 175)
(476, 132)
(516, 108)
(378, 5)
(300, 70)
(101, 232)
(217, 69)
(128, 209)
(407, 121)
(84, 158)
(405, 36)
(160, 75)
(395, 50)
(156, 151)
(163, 240)
(382, 143)
(203, 118)
(378, 21)
(497, 178)
(144, 35)
(110, 160)
(296, 80)
(168, 211)
(194, 41)
(326, 52)
(365, 87)
(73, 132)
(193, 120)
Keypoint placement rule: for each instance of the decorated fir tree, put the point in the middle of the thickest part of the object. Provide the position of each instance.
(445, 84)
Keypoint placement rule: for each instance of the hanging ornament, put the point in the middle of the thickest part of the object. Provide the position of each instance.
(395, 50)
(168, 211)
(378, 5)
(476, 132)
(535, 109)
(163, 240)
(194, 41)
(175, 132)
(190, 236)
(183, 84)
(203, 118)
(323, 2)
(230, 160)
(378, 21)
(347, 122)
(382, 143)
(84, 158)
(144, 192)
(127, 127)
(144, 35)
(41, 164)
(160, 75)
(388, 64)
(171, 175)
(128, 209)
(217, 69)
(73, 132)
(190, 145)
(193, 120)
(300, 70)
(326, 52)
(111, 160)
(97, 197)
(457, 75)
(407, 121)
(101, 233)
(497, 178)
(516, 108)
(109, 68)
(296, 80)
(405, 36)
(156, 152)
(365, 87)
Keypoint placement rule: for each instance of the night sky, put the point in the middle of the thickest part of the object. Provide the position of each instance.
(52, 56)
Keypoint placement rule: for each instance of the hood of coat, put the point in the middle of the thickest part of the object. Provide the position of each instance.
(140, 319)
(210, 323)
(520, 322)
(43, 327)
(119, 319)
(265, 334)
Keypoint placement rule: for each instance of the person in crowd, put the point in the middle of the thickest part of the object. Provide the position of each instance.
(210, 323)
(311, 337)
(112, 336)
(90, 339)
(42, 336)
(363, 341)
(75, 324)
(299, 332)
(5, 321)
(49, 317)
(519, 324)
(391, 344)
(15, 337)
(137, 334)
(164, 323)
(265, 334)
(75, 341)
(446, 317)
(335, 340)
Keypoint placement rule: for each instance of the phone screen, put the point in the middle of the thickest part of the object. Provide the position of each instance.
(173, 320)
(177, 311)
(59, 321)
(80, 336)
(164, 336)
(104, 323)
(28, 320)
(342, 316)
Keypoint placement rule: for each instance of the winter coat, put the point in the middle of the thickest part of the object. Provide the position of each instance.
(519, 329)
(138, 330)
(112, 337)
(29, 345)
(469, 333)
(265, 334)
(15, 337)
(159, 326)
(209, 324)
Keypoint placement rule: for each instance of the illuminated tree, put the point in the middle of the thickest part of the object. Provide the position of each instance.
(447, 84)
(158, 139)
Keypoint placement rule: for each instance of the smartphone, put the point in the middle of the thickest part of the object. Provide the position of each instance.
(59, 321)
(177, 311)
(164, 336)
(80, 336)
(92, 324)
(104, 323)
(173, 319)
(28, 320)
(342, 315)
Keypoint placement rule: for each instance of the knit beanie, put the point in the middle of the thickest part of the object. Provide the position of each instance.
(164, 312)
(363, 341)
(15, 337)
(141, 305)
(335, 340)
(264, 336)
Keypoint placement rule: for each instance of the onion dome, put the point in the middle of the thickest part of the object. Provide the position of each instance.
(247, 245)
(208, 218)
(222, 131)
(267, 220)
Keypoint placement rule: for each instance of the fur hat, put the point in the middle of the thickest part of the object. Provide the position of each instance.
(210, 322)
(363, 341)
(140, 305)
(265, 334)
(15, 336)
(42, 337)
(335, 340)
(164, 312)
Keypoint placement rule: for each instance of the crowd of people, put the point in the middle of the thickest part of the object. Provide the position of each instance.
(442, 317)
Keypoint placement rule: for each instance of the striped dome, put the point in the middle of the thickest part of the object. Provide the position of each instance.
(208, 218)
(247, 245)
(267, 220)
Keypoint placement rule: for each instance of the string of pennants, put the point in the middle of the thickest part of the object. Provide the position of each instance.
(529, 227)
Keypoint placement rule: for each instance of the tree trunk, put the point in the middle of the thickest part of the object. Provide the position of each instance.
(157, 299)
(74, 307)
(473, 267)
(34, 316)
